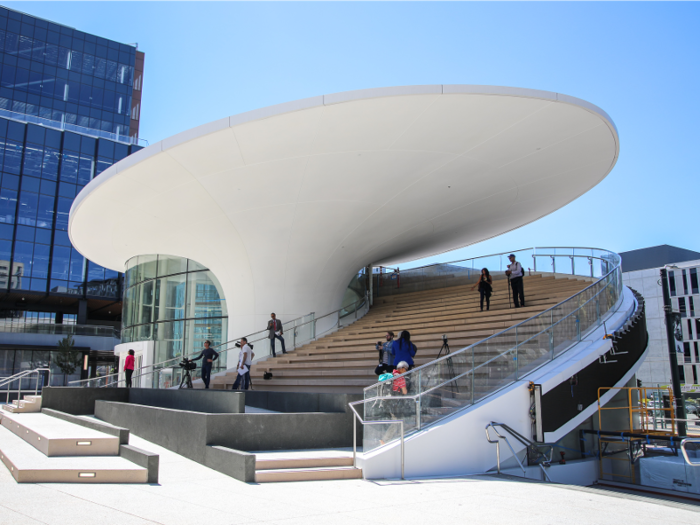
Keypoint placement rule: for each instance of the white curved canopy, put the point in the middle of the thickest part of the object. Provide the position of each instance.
(284, 204)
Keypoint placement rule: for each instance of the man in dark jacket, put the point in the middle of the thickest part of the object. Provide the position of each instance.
(274, 326)
(208, 356)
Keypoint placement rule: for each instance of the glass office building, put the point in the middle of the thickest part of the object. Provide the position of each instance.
(69, 109)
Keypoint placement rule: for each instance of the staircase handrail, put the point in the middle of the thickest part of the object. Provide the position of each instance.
(20, 375)
(172, 360)
(552, 308)
(515, 345)
(114, 378)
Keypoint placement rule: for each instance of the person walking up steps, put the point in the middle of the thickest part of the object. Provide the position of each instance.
(515, 275)
(274, 325)
(485, 288)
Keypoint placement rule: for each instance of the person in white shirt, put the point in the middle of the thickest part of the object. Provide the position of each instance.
(245, 360)
(515, 275)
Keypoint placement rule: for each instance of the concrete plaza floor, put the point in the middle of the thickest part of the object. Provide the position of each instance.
(189, 493)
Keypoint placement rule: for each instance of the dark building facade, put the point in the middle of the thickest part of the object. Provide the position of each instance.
(69, 108)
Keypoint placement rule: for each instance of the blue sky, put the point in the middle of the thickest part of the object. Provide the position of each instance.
(637, 61)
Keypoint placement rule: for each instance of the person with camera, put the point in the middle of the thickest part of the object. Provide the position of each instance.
(515, 275)
(245, 360)
(404, 350)
(386, 355)
(208, 356)
(485, 288)
(274, 326)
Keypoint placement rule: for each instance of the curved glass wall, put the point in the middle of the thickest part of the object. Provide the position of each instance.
(175, 302)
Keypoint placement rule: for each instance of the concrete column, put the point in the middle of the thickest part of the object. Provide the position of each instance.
(82, 311)
(371, 285)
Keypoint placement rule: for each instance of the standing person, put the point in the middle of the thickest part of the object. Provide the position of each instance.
(485, 288)
(245, 360)
(274, 325)
(386, 355)
(208, 356)
(129, 367)
(404, 349)
(515, 274)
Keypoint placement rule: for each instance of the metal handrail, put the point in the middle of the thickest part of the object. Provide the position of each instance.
(172, 359)
(501, 254)
(164, 364)
(18, 377)
(498, 446)
(452, 354)
(375, 422)
(685, 452)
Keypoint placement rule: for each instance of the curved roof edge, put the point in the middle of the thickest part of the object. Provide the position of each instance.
(326, 100)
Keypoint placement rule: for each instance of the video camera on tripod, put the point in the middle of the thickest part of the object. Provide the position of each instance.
(187, 365)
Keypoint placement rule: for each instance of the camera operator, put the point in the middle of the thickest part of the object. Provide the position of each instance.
(245, 360)
(386, 355)
(208, 356)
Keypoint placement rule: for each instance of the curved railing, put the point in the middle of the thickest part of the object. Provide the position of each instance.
(462, 378)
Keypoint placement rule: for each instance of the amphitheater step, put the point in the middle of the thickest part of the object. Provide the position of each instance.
(55, 437)
(307, 465)
(29, 465)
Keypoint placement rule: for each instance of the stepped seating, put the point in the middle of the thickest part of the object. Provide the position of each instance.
(310, 465)
(344, 361)
(38, 448)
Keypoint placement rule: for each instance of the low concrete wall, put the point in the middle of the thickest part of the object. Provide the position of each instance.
(209, 401)
(80, 401)
(280, 431)
(299, 401)
(183, 432)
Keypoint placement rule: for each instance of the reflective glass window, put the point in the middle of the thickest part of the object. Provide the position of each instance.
(168, 265)
(204, 296)
(170, 297)
(8, 205)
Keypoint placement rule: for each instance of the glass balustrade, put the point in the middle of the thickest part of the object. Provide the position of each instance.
(462, 378)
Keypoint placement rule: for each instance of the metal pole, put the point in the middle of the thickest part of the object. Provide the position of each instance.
(371, 285)
(354, 441)
(402, 457)
(675, 378)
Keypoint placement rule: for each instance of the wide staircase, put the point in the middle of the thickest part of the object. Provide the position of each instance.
(38, 448)
(344, 361)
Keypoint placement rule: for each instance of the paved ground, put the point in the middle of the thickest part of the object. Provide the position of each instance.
(190, 494)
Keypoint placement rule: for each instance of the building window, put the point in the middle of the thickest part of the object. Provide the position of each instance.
(695, 375)
(175, 302)
(685, 283)
(681, 373)
(681, 306)
(692, 307)
(686, 352)
(672, 282)
(690, 329)
(694, 280)
(697, 353)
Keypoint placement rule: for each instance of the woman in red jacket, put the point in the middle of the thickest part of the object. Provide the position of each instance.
(129, 367)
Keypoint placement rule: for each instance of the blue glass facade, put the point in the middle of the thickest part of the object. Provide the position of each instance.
(42, 172)
(59, 74)
(65, 107)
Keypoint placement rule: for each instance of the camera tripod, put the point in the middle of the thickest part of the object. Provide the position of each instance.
(186, 381)
(450, 365)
